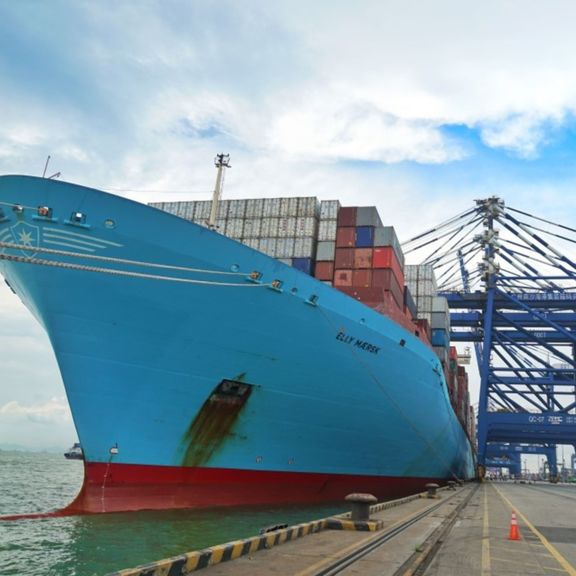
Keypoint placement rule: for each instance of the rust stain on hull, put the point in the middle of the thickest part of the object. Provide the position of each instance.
(214, 423)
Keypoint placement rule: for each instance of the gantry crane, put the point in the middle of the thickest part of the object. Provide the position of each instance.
(518, 308)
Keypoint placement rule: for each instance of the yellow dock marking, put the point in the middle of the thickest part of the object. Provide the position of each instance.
(561, 560)
(486, 563)
(524, 563)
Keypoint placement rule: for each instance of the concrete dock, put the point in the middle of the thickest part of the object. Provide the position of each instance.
(462, 531)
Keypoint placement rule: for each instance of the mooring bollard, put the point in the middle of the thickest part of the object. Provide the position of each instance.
(431, 490)
(361, 505)
(451, 485)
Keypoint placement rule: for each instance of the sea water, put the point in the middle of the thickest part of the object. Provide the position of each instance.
(94, 545)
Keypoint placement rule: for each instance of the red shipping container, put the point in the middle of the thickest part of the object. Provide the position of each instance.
(362, 278)
(345, 237)
(385, 257)
(379, 300)
(324, 270)
(343, 278)
(344, 258)
(363, 258)
(365, 294)
(385, 278)
(347, 216)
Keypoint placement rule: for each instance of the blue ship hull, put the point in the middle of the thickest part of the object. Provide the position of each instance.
(221, 376)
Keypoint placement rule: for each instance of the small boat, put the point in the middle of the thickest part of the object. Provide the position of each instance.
(74, 453)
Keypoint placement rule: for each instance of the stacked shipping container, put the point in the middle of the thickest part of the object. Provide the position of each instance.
(349, 248)
(362, 258)
(457, 380)
(284, 228)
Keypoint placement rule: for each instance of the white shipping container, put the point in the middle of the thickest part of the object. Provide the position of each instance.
(252, 243)
(268, 246)
(423, 303)
(287, 261)
(223, 209)
(157, 205)
(187, 210)
(271, 207)
(286, 227)
(421, 288)
(235, 227)
(237, 208)
(254, 208)
(269, 227)
(221, 226)
(440, 304)
(285, 248)
(420, 272)
(292, 206)
(306, 226)
(252, 227)
(284, 207)
(327, 230)
(202, 211)
(308, 206)
(329, 209)
(304, 248)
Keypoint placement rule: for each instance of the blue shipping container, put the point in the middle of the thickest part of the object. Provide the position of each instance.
(440, 338)
(364, 237)
(302, 264)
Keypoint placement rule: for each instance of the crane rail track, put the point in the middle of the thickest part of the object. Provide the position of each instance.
(421, 558)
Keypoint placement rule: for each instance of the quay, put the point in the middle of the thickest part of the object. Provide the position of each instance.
(465, 529)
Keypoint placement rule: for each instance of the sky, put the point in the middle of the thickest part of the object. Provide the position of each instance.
(415, 107)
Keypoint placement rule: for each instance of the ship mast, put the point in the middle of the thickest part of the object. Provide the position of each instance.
(221, 162)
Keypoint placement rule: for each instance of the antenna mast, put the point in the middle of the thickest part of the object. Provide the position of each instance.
(221, 162)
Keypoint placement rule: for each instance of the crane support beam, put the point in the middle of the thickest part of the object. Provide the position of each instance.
(555, 427)
(517, 306)
(549, 337)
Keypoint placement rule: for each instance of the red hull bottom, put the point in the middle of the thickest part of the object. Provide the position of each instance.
(125, 487)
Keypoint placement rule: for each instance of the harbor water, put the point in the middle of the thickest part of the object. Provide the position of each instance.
(94, 545)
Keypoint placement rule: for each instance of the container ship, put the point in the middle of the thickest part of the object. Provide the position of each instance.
(282, 354)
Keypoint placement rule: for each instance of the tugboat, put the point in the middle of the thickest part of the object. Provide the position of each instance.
(74, 453)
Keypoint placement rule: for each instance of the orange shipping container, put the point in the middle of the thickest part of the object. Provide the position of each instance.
(324, 270)
(343, 278)
(363, 258)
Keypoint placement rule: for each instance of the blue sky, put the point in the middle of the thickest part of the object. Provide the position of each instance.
(417, 108)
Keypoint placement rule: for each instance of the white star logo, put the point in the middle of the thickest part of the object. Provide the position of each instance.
(25, 238)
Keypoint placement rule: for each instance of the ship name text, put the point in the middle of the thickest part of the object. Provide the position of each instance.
(357, 343)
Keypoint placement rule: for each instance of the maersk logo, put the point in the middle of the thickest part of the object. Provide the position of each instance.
(26, 235)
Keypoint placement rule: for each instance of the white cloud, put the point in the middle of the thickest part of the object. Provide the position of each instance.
(358, 132)
(55, 410)
(521, 134)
